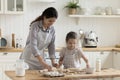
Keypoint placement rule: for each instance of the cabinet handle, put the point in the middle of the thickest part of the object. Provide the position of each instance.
(116, 53)
(5, 53)
(102, 52)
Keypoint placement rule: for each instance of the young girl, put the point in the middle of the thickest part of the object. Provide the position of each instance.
(70, 55)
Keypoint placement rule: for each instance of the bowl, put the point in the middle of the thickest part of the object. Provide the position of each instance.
(90, 70)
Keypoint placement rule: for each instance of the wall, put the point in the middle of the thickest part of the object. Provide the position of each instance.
(107, 29)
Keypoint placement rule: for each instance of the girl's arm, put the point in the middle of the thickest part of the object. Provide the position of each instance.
(86, 61)
(60, 61)
(84, 57)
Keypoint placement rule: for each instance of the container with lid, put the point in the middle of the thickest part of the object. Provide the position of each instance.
(98, 65)
(21, 66)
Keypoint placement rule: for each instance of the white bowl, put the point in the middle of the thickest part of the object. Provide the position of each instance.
(90, 70)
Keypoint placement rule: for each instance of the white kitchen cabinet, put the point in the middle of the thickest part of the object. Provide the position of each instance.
(117, 62)
(1, 6)
(7, 62)
(12, 6)
(1, 72)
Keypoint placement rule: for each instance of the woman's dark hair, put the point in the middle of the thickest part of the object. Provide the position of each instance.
(50, 12)
(71, 35)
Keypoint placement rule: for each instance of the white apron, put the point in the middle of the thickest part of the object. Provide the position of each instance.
(43, 40)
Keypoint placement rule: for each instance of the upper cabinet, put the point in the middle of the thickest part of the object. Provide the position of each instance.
(1, 6)
(12, 6)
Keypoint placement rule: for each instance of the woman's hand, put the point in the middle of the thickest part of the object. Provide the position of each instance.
(44, 63)
(48, 67)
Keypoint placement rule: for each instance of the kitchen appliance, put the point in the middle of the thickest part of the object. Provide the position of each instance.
(90, 40)
(81, 37)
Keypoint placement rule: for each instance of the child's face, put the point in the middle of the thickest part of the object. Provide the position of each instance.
(71, 43)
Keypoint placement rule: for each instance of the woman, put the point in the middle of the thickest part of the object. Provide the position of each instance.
(41, 36)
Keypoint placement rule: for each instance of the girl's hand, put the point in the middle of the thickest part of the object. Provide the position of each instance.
(87, 65)
(55, 65)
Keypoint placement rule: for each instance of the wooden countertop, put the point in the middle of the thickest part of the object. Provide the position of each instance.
(58, 49)
(10, 49)
(35, 75)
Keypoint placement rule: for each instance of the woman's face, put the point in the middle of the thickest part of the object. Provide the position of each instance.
(71, 43)
(47, 22)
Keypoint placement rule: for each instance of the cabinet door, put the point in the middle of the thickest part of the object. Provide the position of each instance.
(1, 72)
(117, 62)
(14, 6)
(1, 6)
(7, 62)
(106, 59)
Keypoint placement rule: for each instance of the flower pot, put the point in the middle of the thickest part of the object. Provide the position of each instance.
(72, 11)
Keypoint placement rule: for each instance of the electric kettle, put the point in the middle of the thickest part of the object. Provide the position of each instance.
(90, 40)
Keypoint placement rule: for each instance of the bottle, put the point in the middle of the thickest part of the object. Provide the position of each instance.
(20, 67)
(98, 65)
(79, 44)
(20, 43)
(13, 40)
(0, 37)
(17, 43)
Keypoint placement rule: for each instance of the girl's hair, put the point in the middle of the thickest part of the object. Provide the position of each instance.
(71, 35)
(50, 12)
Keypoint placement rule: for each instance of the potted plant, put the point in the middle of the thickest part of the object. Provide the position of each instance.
(72, 7)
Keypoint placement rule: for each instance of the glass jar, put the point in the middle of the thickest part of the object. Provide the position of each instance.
(108, 10)
(20, 67)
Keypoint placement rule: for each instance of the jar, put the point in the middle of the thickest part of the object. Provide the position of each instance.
(20, 67)
(98, 65)
(108, 10)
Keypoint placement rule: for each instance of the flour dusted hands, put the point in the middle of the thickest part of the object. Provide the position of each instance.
(48, 67)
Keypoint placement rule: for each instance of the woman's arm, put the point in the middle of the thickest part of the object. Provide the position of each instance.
(44, 63)
(51, 48)
(33, 39)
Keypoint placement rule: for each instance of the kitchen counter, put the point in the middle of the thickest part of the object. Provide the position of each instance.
(10, 49)
(58, 49)
(35, 75)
